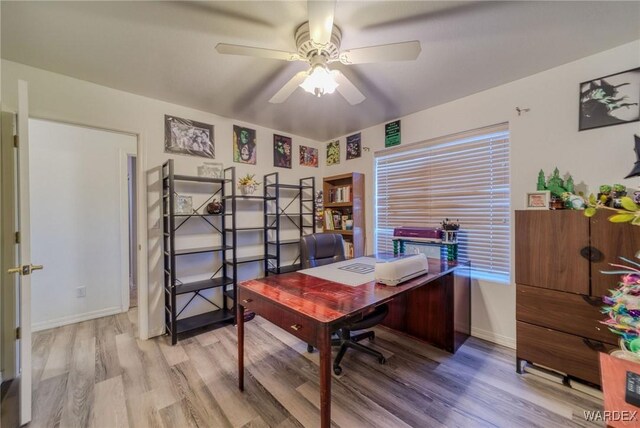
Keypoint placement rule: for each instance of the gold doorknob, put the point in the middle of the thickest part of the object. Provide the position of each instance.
(15, 270)
(37, 267)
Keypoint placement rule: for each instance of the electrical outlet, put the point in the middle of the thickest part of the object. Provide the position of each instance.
(81, 291)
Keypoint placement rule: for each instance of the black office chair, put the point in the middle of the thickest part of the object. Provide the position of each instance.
(321, 249)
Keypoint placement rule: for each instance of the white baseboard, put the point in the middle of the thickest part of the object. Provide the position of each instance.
(509, 342)
(59, 322)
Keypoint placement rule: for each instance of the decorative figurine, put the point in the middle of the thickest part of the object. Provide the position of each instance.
(635, 172)
(215, 207)
(556, 185)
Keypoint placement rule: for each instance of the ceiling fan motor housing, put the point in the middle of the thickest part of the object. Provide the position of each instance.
(308, 49)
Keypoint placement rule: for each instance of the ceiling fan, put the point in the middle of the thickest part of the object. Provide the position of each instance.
(318, 44)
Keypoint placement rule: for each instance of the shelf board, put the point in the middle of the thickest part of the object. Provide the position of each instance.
(201, 250)
(203, 320)
(285, 269)
(285, 242)
(340, 231)
(289, 186)
(289, 214)
(230, 294)
(198, 179)
(243, 229)
(246, 197)
(337, 204)
(197, 215)
(190, 287)
(250, 259)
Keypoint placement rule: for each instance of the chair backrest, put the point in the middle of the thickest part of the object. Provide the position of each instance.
(321, 249)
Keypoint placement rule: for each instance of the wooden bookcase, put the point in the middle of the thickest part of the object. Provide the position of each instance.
(344, 202)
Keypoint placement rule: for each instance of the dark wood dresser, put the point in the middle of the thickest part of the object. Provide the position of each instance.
(559, 287)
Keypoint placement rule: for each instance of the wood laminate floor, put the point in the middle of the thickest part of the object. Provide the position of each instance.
(96, 374)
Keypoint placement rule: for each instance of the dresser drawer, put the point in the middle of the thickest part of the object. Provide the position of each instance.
(300, 326)
(574, 355)
(567, 312)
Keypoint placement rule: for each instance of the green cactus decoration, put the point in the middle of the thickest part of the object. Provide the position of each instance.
(542, 185)
(556, 185)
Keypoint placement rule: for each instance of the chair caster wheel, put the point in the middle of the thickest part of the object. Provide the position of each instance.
(382, 360)
(309, 349)
(337, 370)
(372, 337)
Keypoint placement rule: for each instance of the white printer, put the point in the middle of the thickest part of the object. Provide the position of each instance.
(398, 270)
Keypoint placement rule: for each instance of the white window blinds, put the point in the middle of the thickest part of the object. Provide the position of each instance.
(461, 177)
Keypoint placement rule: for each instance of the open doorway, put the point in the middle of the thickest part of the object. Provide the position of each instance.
(80, 222)
(133, 230)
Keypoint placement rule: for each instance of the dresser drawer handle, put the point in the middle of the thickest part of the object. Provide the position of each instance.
(592, 254)
(594, 345)
(247, 301)
(296, 327)
(593, 301)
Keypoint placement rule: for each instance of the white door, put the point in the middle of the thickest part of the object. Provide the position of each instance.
(24, 268)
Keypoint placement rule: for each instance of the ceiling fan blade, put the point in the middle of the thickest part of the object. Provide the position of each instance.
(227, 49)
(347, 89)
(321, 20)
(288, 88)
(404, 51)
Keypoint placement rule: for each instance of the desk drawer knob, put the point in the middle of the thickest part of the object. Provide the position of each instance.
(296, 327)
(247, 301)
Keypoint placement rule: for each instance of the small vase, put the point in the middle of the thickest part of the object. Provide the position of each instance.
(248, 189)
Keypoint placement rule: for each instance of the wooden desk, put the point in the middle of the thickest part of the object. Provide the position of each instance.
(434, 307)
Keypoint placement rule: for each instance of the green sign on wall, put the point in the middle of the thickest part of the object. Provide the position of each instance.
(392, 134)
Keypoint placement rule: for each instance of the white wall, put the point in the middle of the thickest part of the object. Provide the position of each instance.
(78, 222)
(545, 137)
(57, 97)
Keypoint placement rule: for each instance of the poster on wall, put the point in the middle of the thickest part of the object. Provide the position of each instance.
(308, 156)
(333, 152)
(188, 137)
(354, 148)
(281, 151)
(392, 134)
(244, 145)
(610, 100)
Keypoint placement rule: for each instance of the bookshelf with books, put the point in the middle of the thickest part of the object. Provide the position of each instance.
(343, 200)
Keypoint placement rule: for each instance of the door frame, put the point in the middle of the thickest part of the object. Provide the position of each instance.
(141, 220)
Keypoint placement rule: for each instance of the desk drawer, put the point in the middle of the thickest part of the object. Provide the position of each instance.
(564, 352)
(302, 327)
(567, 312)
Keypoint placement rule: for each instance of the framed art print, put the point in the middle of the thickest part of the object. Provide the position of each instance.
(282, 149)
(244, 145)
(538, 200)
(333, 152)
(188, 137)
(354, 146)
(308, 156)
(610, 100)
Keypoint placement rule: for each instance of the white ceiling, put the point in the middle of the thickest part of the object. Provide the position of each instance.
(165, 50)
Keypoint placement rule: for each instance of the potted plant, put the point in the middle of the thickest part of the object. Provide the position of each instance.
(604, 195)
(248, 184)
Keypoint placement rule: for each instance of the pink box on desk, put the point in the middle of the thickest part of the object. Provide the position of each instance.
(418, 232)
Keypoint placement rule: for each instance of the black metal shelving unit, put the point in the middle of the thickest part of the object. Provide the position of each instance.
(231, 200)
(276, 215)
(173, 287)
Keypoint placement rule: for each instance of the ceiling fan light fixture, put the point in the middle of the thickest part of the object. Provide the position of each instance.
(320, 81)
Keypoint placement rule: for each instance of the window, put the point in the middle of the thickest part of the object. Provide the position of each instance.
(461, 177)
